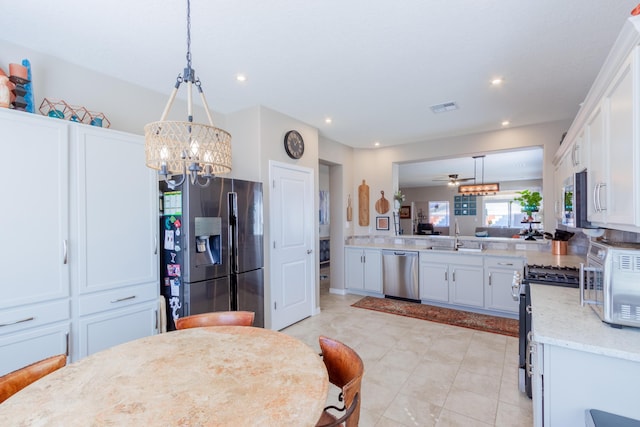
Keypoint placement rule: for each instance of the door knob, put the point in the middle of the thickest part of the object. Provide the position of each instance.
(309, 251)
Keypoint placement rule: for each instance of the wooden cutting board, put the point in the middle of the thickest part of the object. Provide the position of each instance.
(382, 205)
(363, 204)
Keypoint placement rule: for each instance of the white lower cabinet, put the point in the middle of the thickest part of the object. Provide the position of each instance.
(33, 332)
(455, 279)
(116, 326)
(566, 382)
(434, 280)
(363, 270)
(26, 347)
(498, 278)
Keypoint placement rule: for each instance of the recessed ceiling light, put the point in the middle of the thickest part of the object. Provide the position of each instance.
(376, 144)
(497, 81)
(241, 78)
(328, 120)
(506, 123)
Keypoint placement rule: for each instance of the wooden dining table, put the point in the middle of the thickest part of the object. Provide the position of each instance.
(212, 376)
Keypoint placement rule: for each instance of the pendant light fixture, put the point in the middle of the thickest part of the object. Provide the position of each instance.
(479, 189)
(183, 147)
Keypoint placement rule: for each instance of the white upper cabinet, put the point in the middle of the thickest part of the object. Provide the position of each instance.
(115, 197)
(35, 232)
(605, 137)
(622, 145)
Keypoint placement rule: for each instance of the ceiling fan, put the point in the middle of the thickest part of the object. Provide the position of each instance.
(453, 179)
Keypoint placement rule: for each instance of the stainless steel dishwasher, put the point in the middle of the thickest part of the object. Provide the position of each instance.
(400, 274)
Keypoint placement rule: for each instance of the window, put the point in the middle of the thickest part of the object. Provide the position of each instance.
(501, 211)
(439, 213)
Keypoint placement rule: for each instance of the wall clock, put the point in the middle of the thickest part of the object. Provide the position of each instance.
(294, 144)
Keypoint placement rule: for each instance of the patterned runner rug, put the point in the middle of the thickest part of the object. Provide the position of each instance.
(465, 319)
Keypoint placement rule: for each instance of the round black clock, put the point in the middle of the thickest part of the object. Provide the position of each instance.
(294, 144)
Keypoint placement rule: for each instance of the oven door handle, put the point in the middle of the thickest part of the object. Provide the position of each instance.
(531, 348)
(515, 285)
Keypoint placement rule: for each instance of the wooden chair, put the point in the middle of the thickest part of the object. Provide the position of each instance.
(15, 381)
(218, 318)
(345, 370)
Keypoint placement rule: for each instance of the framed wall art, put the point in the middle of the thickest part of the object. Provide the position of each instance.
(405, 212)
(382, 223)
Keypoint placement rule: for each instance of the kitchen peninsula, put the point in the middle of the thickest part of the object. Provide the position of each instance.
(579, 362)
(475, 276)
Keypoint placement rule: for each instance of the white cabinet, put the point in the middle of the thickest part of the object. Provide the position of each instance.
(434, 279)
(35, 234)
(101, 330)
(596, 202)
(566, 382)
(621, 145)
(33, 332)
(363, 270)
(454, 279)
(498, 278)
(34, 310)
(578, 154)
(115, 235)
(83, 222)
(613, 169)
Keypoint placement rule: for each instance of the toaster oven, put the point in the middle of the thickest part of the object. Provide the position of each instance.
(610, 283)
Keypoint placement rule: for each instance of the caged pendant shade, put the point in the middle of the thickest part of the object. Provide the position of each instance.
(184, 148)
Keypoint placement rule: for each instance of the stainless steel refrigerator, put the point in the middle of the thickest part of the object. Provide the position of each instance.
(212, 253)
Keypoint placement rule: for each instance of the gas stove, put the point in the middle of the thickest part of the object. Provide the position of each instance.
(552, 275)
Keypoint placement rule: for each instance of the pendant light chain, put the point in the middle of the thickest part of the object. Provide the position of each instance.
(188, 34)
(187, 148)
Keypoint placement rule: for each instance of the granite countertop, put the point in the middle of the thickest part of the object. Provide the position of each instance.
(531, 256)
(223, 376)
(559, 319)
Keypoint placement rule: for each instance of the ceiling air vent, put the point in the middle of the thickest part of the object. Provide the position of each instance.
(444, 107)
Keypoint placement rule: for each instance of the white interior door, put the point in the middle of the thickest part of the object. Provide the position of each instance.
(292, 233)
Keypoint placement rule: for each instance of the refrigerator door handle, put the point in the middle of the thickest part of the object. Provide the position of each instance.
(233, 231)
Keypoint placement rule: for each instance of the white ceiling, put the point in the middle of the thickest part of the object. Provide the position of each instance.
(373, 66)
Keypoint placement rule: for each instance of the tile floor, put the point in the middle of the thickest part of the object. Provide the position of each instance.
(419, 373)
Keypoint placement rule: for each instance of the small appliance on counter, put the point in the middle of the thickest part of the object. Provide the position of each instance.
(610, 283)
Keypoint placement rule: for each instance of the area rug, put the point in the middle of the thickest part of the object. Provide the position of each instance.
(465, 319)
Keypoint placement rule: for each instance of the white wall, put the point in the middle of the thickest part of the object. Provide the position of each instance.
(376, 166)
(128, 107)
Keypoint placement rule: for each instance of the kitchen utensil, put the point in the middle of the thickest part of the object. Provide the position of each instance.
(562, 235)
(382, 205)
(363, 204)
(349, 209)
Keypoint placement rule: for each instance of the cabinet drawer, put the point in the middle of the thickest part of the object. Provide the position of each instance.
(511, 263)
(24, 348)
(33, 315)
(117, 298)
(104, 330)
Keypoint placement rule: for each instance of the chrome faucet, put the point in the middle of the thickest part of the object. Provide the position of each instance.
(456, 231)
